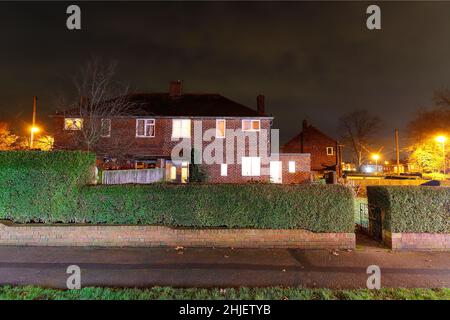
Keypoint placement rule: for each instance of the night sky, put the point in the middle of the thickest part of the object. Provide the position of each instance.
(310, 60)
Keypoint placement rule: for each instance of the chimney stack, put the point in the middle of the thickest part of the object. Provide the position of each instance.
(175, 88)
(260, 107)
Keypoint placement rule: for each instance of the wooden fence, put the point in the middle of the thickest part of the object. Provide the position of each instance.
(141, 176)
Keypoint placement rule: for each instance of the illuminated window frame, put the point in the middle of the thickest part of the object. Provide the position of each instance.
(181, 128)
(105, 124)
(218, 121)
(77, 124)
(291, 166)
(330, 151)
(223, 169)
(250, 127)
(251, 166)
(148, 123)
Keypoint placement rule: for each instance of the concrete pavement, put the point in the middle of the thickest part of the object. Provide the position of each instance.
(144, 267)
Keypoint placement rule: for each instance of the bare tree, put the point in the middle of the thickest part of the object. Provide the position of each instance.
(428, 122)
(99, 98)
(358, 128)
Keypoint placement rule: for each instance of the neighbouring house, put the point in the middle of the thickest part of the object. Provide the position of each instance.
(324, 150)
(233, 140)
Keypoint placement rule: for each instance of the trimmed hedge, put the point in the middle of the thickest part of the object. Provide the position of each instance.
(316, 208)
(42, 186)
(412, 208)
(52, 187)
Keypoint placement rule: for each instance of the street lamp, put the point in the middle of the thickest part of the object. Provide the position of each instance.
(375, 157)
(443, 139)
(33, 130)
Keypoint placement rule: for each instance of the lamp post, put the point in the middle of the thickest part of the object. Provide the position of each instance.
(375, 157)
(442, 140)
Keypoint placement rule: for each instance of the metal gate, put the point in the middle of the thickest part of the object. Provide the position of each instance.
(370, 221)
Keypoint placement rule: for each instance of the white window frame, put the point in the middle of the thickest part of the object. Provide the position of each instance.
(251, 125)
(224, 128)
(147, 122)
(332, 151)
(223, 170)
(72, 128)
(184, 132)
(291, 166)
(254, 164)
(108, 120)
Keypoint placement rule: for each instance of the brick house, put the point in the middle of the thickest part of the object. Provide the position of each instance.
(151, 135)
(324, 150)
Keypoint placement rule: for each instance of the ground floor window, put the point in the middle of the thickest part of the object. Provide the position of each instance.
(223, 170)
(251, 166)
(291, 166)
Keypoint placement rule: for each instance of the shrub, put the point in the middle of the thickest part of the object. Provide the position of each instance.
(52, 187)
(42, 186)
(317, 208)
(412, 208)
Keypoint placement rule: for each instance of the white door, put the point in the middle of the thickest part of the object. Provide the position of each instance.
(275, 172)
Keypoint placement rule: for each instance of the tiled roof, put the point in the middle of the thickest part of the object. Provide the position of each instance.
(188, 105)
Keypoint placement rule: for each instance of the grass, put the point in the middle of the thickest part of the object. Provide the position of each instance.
(271, 293)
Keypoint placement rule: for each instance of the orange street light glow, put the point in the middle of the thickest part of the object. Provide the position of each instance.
(34, 129)
(375, 156)
(441, 139)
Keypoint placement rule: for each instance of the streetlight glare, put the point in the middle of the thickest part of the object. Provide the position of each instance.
(35, 129)
(375, 156)
(441, 139)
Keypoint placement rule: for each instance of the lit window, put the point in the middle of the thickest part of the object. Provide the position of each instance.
(105, 130)
(220, 128)
(223, 170)
(145, 128)
(291, 166)
(73, 123)
(181, 128)
(330, 151)
(173, 172)
(251, 166)
(251, 125)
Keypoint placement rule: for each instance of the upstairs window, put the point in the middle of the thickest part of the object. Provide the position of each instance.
(73, 124)
(251, 125)
(181, 128)
(145, 128)
(330, 151)
(105, 130)
(220, 128)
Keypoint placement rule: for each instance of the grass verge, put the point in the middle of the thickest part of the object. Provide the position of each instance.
(272, 293)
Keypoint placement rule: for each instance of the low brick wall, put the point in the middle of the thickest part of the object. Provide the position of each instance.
(417, 241)
(159, 236)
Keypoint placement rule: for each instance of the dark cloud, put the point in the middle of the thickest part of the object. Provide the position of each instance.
(314, 60)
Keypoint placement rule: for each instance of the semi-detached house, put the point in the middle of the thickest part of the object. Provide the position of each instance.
(148, 135)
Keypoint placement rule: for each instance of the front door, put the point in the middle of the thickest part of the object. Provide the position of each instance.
(275, 172)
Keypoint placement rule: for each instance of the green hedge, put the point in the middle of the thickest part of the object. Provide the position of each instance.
(52, 187)
(412, 208)
(312, 207)
(42, 186)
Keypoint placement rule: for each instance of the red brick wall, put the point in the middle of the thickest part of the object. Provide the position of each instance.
(158, 236)
(314, 142)
(302, 168)
(417, 241)
(123, 140)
